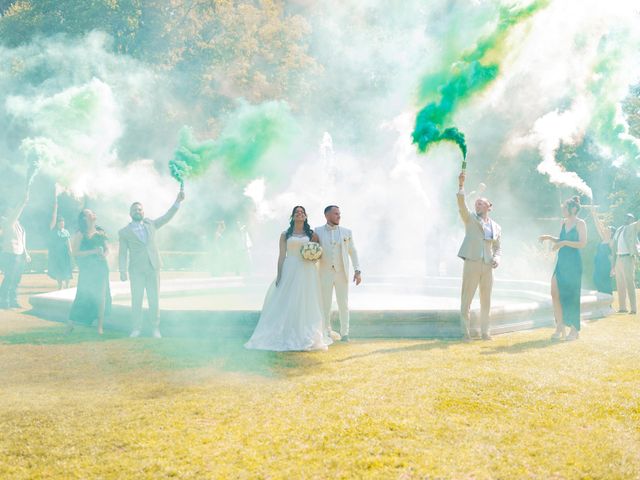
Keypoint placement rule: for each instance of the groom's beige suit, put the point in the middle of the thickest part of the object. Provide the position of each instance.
(479, 249)
(337, 246)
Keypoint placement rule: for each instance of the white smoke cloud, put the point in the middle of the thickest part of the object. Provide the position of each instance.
(400, 205)
(76, 131)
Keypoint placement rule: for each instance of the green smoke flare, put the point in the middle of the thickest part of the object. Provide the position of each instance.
(472, 73)
(251, 138)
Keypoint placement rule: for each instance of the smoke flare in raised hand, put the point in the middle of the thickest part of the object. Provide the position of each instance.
(472, 73)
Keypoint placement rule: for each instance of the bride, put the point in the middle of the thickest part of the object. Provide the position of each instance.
(291, 317)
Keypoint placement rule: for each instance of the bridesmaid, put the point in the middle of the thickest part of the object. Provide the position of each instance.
(566, 281)
(93, 296)
(602, 262)
(59, 259)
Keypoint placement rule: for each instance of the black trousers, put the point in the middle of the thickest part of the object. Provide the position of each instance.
(13, 266)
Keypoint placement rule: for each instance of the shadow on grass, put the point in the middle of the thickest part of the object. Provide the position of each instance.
(227, 354)
(521, 347)
(421, 347)
(56, 335)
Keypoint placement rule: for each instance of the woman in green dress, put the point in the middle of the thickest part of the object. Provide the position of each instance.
(566, 281)
(93, 296)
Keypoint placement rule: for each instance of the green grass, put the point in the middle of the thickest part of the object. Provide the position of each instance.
(517, 407)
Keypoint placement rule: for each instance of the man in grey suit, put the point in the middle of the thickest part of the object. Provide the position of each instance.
(138, 246)
(480, 251)
(625, 255)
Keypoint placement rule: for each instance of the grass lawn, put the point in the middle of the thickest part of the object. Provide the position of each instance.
(519, 406)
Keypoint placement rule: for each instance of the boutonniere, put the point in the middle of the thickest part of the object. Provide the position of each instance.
(346, 239)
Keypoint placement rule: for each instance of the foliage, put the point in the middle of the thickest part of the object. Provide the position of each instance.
(222, 48)
(631, 109)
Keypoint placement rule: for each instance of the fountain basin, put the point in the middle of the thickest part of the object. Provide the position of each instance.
(381, 307)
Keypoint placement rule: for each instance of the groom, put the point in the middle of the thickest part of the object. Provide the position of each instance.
(138, 243)
(337, 246)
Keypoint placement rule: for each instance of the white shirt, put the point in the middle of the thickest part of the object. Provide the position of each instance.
(487, 228)
(14, 241)
(622, 245)
(140, 230)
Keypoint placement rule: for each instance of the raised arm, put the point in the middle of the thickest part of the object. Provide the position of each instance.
(166, 218)
(604, 233)
(462, 204)
(54, 212)
(281, 256)
(15, 213)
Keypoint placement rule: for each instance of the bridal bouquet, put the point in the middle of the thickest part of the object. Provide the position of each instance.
(311, 251)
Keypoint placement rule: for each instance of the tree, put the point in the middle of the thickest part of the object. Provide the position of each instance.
(631, 110)
(218, 49)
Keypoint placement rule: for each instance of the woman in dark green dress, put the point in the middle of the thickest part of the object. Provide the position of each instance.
(602, 268)
(59, 258)
(566, 282)
(93, 296)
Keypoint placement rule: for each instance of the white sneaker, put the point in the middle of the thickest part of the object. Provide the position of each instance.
(156, 333)
(135, 334)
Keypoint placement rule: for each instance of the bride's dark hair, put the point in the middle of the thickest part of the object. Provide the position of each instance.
(306, 227)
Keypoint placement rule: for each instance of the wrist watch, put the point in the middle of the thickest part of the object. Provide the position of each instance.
(357, 272)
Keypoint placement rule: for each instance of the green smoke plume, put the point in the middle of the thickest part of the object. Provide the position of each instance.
(250, 141)
(471, 74)
(606, 125)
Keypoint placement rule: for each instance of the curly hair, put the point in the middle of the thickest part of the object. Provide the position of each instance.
(83, 226)
(307, 229)
(573, 205)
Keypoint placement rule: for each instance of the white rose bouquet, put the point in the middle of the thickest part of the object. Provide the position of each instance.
(311, 251)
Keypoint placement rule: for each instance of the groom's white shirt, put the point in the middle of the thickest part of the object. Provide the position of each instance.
(337, 246)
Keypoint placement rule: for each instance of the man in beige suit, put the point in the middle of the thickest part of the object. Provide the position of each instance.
(625, 255)
(480, 251)
(138, 244)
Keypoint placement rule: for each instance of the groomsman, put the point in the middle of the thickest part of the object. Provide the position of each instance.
(625, 255)
(139, 255)
(14, 254)
(480, 251)
(337, 247)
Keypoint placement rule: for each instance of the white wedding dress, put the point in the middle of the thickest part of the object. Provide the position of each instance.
(291, 317)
